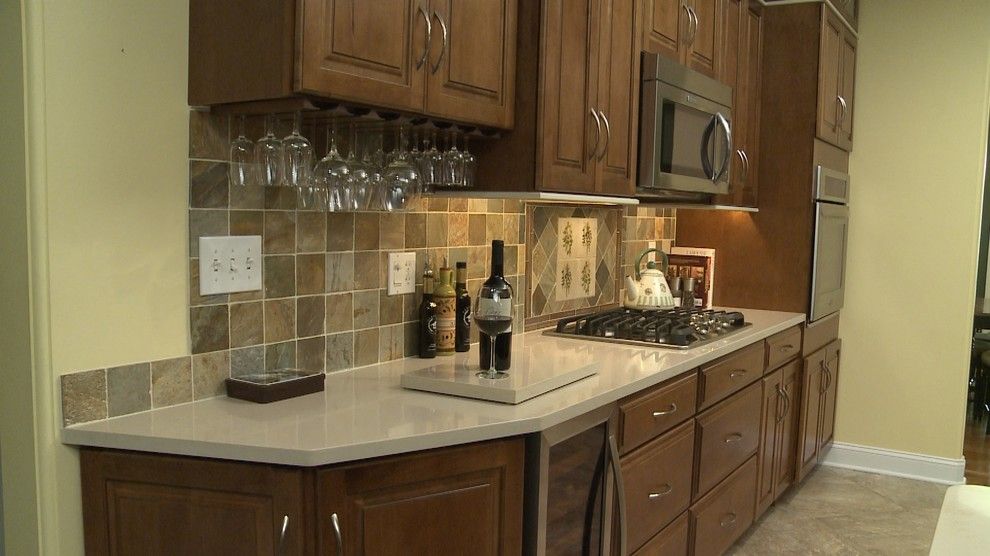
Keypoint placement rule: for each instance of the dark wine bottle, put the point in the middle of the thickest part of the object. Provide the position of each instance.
(503, 342)
(428, 321)
(462, 336)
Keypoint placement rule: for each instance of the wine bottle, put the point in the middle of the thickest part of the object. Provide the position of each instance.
(428, 319)
(462, 328)
(503, 342)
(446, 300)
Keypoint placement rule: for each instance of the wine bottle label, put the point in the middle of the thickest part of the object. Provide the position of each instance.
(493, 307)
(446, 320)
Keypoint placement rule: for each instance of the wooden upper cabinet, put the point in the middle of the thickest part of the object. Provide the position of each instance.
(472, 71)
(365, 52)
(572, 128)
(461, 500)
(704, 47)
(836, 81)
(688, 31)
(618, 102)
(665, 24)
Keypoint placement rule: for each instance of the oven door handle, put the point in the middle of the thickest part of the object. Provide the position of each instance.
(706, 145)
(727, 154)
(620, 491)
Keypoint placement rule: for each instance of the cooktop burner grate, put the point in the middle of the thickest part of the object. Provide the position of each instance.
(673, 328)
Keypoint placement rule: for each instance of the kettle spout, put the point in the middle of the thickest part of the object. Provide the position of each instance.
(632, 289)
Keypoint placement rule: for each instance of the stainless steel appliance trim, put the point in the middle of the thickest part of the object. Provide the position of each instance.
(726, 156)
(552, 332)
(620, 491)
(822, 175)
(822, 210)
(429, 37)
(659, 68)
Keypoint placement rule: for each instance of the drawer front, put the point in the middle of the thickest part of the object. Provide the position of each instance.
(657, 482)
(728, 435)
(672, 541)
(724, 515)
(649, 415)
(783, 347)
(731, 374)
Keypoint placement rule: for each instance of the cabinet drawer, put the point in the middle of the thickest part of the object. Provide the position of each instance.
(649, 415)
(783, 347)
(672, 541)
(728, 435)
(725, 514)
(731, 374)
(657, 482)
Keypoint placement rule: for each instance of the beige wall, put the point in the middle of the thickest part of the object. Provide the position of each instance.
(917, 178)
(108, 151)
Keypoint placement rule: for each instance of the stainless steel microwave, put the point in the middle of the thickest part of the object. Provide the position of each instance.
(685, 132)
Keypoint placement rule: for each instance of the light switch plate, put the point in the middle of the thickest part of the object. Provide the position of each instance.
(229, 264)
(401, 273)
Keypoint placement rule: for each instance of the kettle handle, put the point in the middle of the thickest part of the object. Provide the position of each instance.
(663, 261)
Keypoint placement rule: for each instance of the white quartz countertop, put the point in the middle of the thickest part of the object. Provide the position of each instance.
(364, 412)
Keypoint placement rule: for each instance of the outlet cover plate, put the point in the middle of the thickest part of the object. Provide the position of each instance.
(229, 264)
(401, 273)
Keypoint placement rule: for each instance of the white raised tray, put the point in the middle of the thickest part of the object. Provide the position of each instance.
(520, 385)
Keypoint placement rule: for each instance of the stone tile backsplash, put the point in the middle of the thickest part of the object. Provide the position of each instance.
(324, 304)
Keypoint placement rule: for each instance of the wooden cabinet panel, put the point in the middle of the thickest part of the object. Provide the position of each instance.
(753, 79)
(571, 132)
(728, 434)
(365, 52)
(462, 500)
(786, 458)
(724, 515)
(731, 374)
(830, 59)
(657, 481)
(650, 414)
(847, 89)
(783, 346)
(705, 48)
(618, 102)
(770, 422)
(811, 395)
(153, 504)
(672, 541)
(664, 25)
(828, 397)
(474, 81)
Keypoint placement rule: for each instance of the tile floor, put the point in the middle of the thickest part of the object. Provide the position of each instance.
(837, 511)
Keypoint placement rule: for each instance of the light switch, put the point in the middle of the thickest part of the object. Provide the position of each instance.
(229, 264)
(401, 273)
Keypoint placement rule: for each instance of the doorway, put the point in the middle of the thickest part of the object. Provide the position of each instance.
(976, 443)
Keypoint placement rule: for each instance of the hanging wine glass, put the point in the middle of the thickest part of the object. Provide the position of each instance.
(470, 163)
(268, 155)
(332, 174)
(240, 167)
(402, 181)
(435, 161)
(452, 167)
(297, 157)
(425, 162)
(360, 187)
(376, 180)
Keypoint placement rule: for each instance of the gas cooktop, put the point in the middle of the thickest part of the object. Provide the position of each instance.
(669, 328)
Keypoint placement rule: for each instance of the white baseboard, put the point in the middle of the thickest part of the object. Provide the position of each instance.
(933, 469)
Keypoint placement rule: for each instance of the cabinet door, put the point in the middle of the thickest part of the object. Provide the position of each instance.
(473, 69)
(153, 504)
(770, 425)
(828, 397)
(829, 63)
(847, 85)
(733, 73)
(618, 105)
(752, 81)
(786, 458)
(665, 25)
(811, 396)
(704, 46)
(463, 500)
(366, 52)
(572, 134)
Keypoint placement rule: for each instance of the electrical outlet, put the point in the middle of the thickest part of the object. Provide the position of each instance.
(401, 273)
(229, 264)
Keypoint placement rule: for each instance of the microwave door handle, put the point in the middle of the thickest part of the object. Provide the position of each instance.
(706, 143)
(727, 154)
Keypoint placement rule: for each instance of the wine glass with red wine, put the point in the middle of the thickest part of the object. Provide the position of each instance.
(493, 315)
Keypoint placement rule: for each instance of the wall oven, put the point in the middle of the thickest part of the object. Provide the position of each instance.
(828, 269)
(685, 132)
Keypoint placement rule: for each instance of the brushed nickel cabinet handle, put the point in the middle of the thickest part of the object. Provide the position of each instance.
(782, 400)
(598, 134)
(737, 372)
(335, 521)
(608, 134)
(845, 109)
(787, 347)
(281, 536)
(664, 491)
(690, 21)
(728, 520)
(694, 27)
(443, 45)
(673, 409)
(734, 437)
(429, 37)
(787, 404)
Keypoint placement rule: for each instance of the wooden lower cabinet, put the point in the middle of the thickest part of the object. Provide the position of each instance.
(672, 541)
(728, 434)
(821, 373)
(778, 434)
(724, 514)
(465, 500)
(461, 500)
